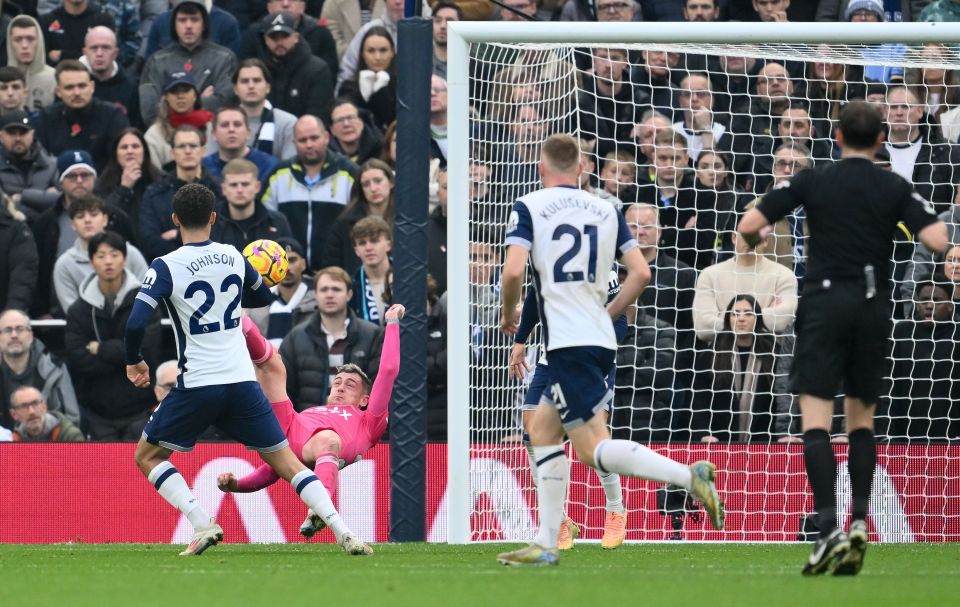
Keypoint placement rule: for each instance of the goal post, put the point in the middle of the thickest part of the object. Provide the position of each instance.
(765, 478)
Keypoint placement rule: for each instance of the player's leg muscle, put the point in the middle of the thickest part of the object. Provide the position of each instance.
(148, 456)
(325, 442)
(546, 429)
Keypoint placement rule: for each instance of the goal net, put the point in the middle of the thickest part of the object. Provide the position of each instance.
(683, 137)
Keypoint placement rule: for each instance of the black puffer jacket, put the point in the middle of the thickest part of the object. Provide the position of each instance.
(302, 84)
(18, 272)
(304, 352)
(101, 379)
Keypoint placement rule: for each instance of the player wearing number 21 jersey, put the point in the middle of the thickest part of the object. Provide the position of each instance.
(571, 238)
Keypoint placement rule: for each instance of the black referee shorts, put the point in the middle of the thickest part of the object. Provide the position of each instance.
(842, 341)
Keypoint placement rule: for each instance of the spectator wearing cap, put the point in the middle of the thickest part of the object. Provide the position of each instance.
(834, 10)
(179, 105)
(88, 217)
(27, 173)
(314, 33)
(53, 230)
(113, 83)
(79, 120)
(887, 59)
(231, 132)
(191, 51)
(296, 300)
(302, 84)
(224, 29)
(157, 233)
(27, 52)
(271, 129)
(241, 219)
(65, 27)
(13, 91)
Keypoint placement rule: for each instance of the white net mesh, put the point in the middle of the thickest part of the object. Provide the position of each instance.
(683, 138)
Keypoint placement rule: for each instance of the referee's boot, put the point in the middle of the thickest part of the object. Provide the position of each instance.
(852, 562)
(827, 553)
(204, 538)
(702, 477)
(530, 556)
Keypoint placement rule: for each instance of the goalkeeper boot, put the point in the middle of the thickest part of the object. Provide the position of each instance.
(568, 532)
(312, 525)
(614, 530)
(204, 538)
(352, 545)
(851, 563)
(827, 553)
(702, 477)
(530, 556)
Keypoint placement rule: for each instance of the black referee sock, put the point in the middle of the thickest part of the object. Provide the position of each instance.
(861, 462)
(822, 475)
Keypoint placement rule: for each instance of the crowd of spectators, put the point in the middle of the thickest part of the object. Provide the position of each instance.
(286, 110)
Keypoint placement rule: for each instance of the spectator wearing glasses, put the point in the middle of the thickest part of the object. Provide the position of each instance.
(35, 424)
(601, 10)
(52, 229)
(25, 361)
(158, 235)
(350, 135)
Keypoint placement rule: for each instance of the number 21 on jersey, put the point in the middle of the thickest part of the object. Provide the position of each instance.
(561, 270)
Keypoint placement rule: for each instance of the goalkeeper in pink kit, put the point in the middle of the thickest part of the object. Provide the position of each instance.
(353, 420)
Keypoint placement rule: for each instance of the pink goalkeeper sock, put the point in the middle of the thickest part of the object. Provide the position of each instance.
(260, 349)
(326, 469)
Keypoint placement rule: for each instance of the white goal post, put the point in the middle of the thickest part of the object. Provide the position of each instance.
(471, 472)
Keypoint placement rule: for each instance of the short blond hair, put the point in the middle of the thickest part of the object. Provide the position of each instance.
(561, 153)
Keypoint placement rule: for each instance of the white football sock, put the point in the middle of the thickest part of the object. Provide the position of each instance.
(173, 488)
(554, 476)
(531, 459)
(633, 459)
(612, 490)
(316, 497)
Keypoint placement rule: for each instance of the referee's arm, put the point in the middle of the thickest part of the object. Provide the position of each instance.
(934, 237)
(754, 227)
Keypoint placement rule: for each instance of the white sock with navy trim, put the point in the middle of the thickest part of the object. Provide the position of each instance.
(612, 490)
(173, 488)
(314, 495)
(633, 459)
(554, 473)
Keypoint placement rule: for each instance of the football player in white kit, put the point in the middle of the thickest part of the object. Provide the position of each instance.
(571, 239)
(204, 284)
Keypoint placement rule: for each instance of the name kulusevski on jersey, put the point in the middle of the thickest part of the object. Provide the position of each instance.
(204, 287)
(571, 261)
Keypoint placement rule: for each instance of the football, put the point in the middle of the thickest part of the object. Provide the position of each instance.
(269, 259)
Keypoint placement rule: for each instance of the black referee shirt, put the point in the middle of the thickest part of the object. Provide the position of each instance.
(852, 208)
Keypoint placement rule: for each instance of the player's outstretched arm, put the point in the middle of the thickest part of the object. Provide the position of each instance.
(262, 477)
(382, 388)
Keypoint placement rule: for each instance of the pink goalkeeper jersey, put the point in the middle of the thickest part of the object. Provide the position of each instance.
(359, 429)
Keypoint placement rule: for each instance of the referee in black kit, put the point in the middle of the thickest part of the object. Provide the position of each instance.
(843, 321)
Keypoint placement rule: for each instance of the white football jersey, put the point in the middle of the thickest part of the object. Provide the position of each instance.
(574, 238)
(202, 285)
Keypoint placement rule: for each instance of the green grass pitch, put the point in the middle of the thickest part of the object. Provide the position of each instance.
(648, 575)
